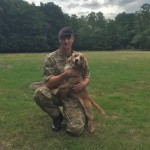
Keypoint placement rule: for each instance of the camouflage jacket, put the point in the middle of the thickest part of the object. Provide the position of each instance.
(53, 66)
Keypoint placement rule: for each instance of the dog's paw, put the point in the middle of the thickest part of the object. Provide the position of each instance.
(54, 92)
(91, 129)
(91, 126)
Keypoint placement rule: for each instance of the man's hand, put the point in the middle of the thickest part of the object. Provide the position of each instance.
(79, 86)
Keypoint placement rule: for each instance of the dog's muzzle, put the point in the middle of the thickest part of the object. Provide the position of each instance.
(76, 61)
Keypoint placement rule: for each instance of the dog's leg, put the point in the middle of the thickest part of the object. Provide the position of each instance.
(91, 126)
(87, 106)
(61, 88)
(89, 115)
(55, 91)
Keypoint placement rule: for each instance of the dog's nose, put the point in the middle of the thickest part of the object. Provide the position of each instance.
(76, 60)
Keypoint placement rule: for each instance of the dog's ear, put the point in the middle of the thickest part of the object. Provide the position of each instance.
(69, 59)
(85, 64)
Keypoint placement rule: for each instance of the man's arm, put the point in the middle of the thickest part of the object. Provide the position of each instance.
(81, 85)
(54, 81)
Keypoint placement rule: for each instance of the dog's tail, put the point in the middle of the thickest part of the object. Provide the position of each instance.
(100, 109)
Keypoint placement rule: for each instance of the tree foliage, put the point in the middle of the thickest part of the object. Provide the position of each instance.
(26, 27)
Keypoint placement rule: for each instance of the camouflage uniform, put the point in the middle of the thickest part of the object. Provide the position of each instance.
(73, 111)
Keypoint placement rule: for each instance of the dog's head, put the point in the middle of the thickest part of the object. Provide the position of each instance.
(78, 60)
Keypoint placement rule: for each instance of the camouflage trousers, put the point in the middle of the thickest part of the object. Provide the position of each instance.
(72, 109)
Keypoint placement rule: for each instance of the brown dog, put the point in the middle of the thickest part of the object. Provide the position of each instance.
(78, 62)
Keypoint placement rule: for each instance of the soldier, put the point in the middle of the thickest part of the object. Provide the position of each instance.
(54, 74)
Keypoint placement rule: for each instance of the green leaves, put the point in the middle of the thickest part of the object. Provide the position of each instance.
(26, 27)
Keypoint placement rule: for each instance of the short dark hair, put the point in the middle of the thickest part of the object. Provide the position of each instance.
(65, 32)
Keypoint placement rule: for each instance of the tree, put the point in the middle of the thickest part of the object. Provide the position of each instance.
(55, 20)
(125, 29)
(26, 27)
(141, 39)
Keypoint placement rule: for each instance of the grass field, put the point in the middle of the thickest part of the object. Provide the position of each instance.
(120, 83)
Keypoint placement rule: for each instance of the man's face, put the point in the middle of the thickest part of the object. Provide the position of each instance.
(66, 42)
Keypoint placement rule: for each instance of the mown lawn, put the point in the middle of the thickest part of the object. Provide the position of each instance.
(120, 83)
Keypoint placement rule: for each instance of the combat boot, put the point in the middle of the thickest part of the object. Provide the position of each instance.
(56, 125)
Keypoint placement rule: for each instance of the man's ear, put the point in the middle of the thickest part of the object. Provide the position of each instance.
(59, 39)
(72, 38)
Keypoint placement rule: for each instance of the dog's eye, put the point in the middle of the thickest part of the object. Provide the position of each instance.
(75, 55)
(81, 58)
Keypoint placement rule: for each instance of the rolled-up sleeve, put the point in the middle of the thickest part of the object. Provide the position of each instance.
(86, 73)
(48, 68)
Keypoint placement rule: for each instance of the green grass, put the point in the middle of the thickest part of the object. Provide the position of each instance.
(120, 83)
